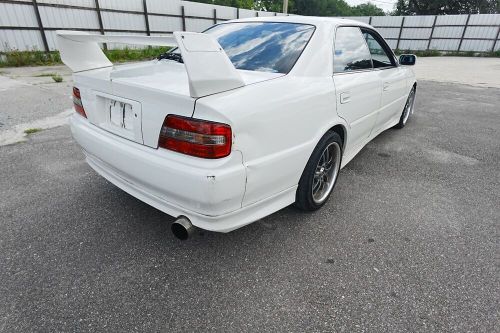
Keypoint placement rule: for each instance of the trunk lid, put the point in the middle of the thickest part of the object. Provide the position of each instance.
(133, 100)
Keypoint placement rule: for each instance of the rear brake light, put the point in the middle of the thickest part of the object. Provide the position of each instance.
(77, 102)
(195, 137)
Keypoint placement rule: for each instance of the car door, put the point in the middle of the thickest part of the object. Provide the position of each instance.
(393, 80)
(358, 87)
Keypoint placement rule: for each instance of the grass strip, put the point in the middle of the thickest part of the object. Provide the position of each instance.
(39, 58)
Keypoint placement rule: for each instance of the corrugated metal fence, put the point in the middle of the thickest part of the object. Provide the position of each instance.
(477, 32)
(31, 24)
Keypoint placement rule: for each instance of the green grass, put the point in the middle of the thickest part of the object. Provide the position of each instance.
(32, 130)
(434, 53)
(29, 58)
(127, 54)
(57, 78)
(45, 75)
(16, 58)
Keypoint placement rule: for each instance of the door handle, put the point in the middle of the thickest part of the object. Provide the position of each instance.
(387, 85)
(345, 98)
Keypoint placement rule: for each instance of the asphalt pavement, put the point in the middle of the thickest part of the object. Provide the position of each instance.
(407, 243)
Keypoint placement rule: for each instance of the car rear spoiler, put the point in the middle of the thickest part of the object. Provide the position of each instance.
(208, 67)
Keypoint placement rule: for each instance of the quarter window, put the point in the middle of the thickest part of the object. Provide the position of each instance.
(379, 55)
(351, 52)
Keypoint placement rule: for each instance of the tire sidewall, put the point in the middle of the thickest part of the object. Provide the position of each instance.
(304, 198)
(401, 123)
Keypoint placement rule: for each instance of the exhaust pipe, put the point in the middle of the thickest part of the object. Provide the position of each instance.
(182, 228)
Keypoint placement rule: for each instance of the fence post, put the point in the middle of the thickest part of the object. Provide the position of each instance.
(99, 18)
(183, 13)
(237, 13)
(370, 21)
(146, 18)
(40, 26)
(463, 33)
(215, 16)
(400, 32)
(432, 32)
(256, 14)
(496, 39)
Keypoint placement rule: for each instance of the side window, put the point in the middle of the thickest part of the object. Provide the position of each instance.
(379, 55)
(351, 52)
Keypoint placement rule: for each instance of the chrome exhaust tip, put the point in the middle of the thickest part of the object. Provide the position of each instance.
(182, 228)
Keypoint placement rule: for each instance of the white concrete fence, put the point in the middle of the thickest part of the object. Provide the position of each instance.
(31, 24)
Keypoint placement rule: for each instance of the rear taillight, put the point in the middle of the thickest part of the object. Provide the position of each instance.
(195, 137)
(77, 102)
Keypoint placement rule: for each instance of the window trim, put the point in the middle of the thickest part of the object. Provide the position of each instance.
(385, 47)
(384, 44)
(333, 58)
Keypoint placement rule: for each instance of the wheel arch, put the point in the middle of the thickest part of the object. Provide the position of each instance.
(342, 131)
(338, 126)
(412, 86)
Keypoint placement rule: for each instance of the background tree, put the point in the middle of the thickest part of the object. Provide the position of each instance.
(446, 7)
(272, 5)
(304, 7)
(248, 4)
(334, 8)
(401, 8)
(367, 9)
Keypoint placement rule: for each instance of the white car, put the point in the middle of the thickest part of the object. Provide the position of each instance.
(240, 121)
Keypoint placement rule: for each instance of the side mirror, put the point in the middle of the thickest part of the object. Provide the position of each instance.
(407, 59)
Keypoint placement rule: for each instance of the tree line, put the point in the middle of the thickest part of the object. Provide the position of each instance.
(446, 7)
(342, 8)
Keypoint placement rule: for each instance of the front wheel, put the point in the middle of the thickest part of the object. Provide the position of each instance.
(408, 110)
(321, 172)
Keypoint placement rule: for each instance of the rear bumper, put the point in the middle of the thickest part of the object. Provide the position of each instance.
(174, 183)
(208, 192)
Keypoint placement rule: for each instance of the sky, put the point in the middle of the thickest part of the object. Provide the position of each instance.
(386, 5)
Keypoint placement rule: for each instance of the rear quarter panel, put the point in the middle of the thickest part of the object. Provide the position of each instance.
(276, 125)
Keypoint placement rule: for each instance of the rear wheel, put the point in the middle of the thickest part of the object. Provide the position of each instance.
(408, 110)
(321, 173)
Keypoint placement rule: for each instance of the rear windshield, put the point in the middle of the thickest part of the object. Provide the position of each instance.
(263, 46)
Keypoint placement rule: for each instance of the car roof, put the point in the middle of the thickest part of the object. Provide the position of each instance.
(314, 20)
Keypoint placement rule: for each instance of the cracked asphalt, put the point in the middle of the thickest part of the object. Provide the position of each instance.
(407, 243)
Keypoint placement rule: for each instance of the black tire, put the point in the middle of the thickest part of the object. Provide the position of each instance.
(403, 120)
(304, 199)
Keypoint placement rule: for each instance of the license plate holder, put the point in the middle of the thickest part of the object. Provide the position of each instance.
(121, 115)
(118, 115)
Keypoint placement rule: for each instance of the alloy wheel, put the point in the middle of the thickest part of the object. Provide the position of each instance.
(326, 172)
